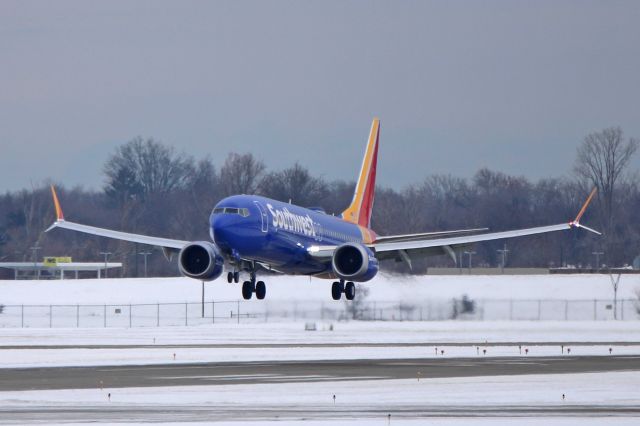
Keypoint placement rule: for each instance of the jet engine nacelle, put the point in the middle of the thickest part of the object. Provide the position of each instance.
(354, 262)
(201, 260)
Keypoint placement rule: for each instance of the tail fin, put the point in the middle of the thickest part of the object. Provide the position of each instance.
(359, 212)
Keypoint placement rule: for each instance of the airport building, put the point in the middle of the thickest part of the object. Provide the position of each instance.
(58, 268)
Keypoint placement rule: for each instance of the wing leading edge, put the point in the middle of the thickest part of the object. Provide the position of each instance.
(404, 247)
(469, 239)
(166, 243)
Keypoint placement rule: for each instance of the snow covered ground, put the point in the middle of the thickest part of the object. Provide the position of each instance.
(176, 301)
(590, 398)
(21, 358)
(290, 341)
(383, 288)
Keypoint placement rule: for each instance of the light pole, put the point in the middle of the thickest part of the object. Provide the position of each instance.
(202, 299)
(470, 253)
(503, 252)
(106, 256)
(597, 254)
(145, 254)
(35, 260)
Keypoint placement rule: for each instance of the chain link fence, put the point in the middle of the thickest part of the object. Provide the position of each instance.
(212, 312)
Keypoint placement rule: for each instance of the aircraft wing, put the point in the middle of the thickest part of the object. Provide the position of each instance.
(421, 236)
(450, 242)
(428, 245)
(165, 243)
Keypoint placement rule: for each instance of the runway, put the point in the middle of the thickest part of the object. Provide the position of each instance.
(288, 375)
(123, 376)
(331, 415)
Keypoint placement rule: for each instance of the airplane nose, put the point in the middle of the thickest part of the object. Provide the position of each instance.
(224, 231)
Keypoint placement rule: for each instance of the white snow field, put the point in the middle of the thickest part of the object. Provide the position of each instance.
(590, 398)
(176, 301)
(340, 340)
(454, 401)
(383, 288)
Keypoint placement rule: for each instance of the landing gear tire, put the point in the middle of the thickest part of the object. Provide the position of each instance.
(336, 290)
(247, 290)
(261, 290)
(236, 277)
(350, 290)
(230, 277)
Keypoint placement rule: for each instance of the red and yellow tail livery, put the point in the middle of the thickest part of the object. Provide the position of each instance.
(359, 212)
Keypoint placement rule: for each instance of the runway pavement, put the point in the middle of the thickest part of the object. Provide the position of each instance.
(34, 409)
(13, 379)
(334, 415)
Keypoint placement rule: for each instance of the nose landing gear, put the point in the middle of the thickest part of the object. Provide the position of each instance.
(233, 277)
(339, 287)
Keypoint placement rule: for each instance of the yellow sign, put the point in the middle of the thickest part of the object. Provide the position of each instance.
(53, 261)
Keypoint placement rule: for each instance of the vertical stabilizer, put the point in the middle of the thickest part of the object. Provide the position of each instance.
(359, 212)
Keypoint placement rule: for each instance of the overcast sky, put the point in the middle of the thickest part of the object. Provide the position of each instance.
(513, 86)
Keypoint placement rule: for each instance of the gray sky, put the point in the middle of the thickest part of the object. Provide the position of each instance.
(511, 85)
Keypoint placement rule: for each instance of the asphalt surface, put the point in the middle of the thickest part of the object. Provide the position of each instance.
(16, 379)
(337, 415)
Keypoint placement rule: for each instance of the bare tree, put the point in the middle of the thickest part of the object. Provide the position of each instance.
(143, 167)
(338, 197)
(295, 184)
(204, 186)
(241, 174)
(602, 159)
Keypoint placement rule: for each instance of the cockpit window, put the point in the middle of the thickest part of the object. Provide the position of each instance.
(244, 212)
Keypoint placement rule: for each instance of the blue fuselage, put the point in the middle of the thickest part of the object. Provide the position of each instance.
(277, 234)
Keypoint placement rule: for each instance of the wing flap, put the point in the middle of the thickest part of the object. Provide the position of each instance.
(409, 237)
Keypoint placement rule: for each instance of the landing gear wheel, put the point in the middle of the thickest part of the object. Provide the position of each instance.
(261, 290)
(336, 290)
(350, 290)
(230, 277)
(236, 277)
(247, 289)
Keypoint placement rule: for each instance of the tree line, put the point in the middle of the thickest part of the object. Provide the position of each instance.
(150, 188)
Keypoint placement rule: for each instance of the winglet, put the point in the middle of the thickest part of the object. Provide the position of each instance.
(576, 221)
(56, 203)
(586, 203)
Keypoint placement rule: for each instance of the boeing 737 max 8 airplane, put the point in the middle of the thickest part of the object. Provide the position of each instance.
(249, 232)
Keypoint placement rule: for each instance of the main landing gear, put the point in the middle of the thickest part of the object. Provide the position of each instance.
(339, 287)
(233, 277)
(250, 287)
